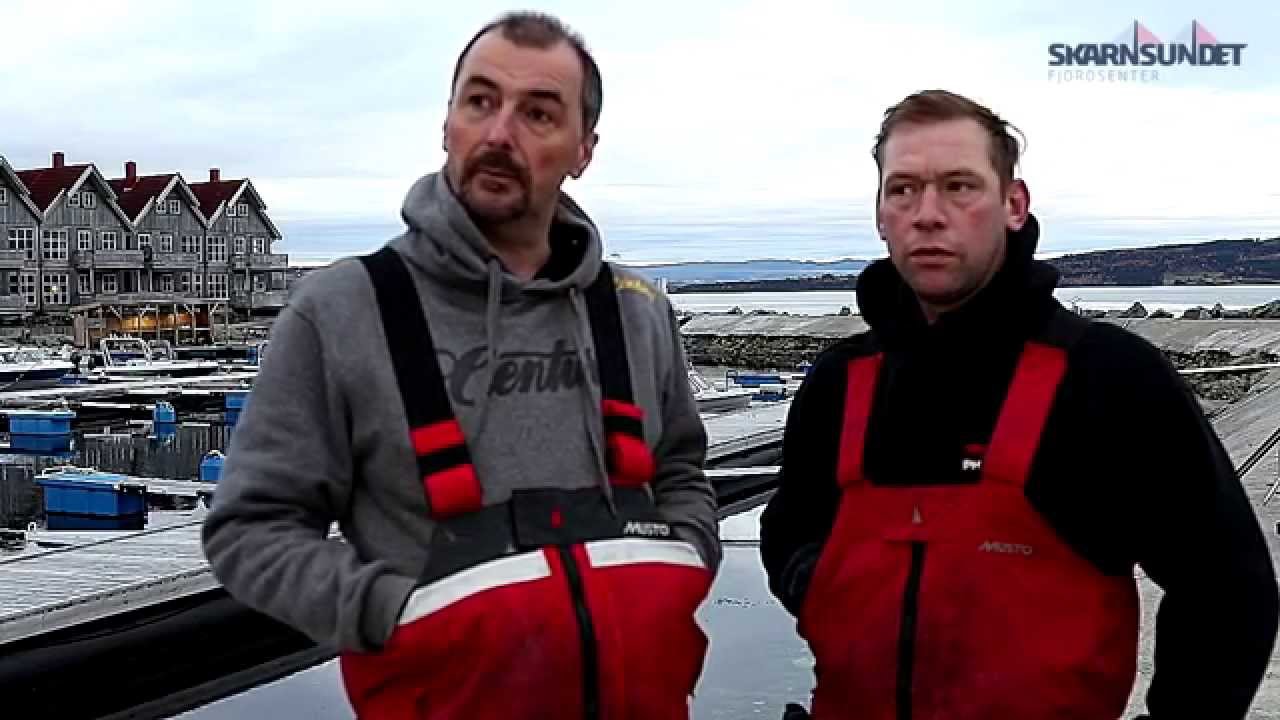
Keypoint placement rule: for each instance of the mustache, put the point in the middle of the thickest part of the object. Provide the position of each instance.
(497, 162)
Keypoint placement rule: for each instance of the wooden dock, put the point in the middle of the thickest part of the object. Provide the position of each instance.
(59, 588)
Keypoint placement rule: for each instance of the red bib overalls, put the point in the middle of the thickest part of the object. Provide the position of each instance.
(557, 604)
(959, 602)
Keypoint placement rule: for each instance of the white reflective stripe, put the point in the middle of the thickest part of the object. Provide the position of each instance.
(464, 584)
(629, 551)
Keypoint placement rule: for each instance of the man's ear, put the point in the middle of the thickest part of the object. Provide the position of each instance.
(1017, 204)
(879, 220)
(586, 151)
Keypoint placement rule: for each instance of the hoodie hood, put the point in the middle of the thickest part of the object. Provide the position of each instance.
(445, 243)
(1021, 292)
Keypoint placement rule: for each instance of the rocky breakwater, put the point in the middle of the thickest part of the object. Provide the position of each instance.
(763, 340)
(1222, 388)
(774, 341)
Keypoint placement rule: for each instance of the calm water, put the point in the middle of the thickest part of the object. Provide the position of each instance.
(1175, 299)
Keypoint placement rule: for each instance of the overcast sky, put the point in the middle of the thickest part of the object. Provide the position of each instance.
(730, 129)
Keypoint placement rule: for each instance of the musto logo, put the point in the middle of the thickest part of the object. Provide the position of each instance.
(1137, 55)
(991, 546)
(646, 529)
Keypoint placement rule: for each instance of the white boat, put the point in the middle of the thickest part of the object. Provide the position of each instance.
(30, 368)
(131, 358)
(712, 400)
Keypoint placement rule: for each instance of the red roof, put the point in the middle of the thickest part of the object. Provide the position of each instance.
(213, 194)
(133, 199)
(46, 183)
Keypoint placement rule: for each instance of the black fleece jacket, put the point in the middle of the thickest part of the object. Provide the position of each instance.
(1128, 472)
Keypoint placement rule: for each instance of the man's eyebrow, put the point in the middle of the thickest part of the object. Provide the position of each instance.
(480, 80)
(901, 175)
(545, 94)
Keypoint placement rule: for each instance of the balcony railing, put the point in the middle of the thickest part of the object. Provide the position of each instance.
(269, 261)
(175, 260)
(12, 303)
(117, 258)
(259, 298)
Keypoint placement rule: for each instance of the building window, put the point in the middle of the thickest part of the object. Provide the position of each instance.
(259, 283)
(110, 284)
(184, 283)
(175, 207)
(144, 240)
(84, 283)
(243, 210)
(27, 286)
(56, 289)
(54, 244)
(239, 246)
(4, 196)
(217, 249)
(231, 210)
(23, 239)
(108, 241)
(84, 240)
(166, 283)
(277, 281)
(191, 244)
(90, 201)
(259, 246)
(217, 285)
(166, 243)
(73, 200)
(162, 208)
(197, 284)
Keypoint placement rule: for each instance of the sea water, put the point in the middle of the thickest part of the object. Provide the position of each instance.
(1174, 298)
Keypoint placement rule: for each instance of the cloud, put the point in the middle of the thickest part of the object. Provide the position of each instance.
(718, 116)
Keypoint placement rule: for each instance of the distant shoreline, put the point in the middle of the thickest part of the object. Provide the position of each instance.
(851, 283)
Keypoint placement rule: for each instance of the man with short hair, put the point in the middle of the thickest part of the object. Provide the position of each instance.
(968, 486)
(500, 423)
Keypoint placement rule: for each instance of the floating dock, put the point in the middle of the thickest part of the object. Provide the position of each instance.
(55, 589)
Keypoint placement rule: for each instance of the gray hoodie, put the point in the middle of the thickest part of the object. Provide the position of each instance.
(324, 436)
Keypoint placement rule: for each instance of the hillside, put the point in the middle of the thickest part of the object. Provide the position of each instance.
(1251, 260)
(1220, 262)
(684, 274)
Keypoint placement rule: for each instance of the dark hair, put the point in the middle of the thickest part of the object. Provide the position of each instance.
(931, 106)
(542, 31)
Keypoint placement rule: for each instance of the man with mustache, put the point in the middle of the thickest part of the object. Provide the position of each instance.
(522, 547)
(968, 486)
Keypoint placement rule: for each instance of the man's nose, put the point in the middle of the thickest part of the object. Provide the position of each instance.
(500, 131)
(929, 213)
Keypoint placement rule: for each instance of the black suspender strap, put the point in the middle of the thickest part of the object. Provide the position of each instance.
(630, 463)
(448, 477)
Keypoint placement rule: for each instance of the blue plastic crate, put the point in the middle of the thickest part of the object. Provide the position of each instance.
(102, 495)
(40, 422)
(211, 467)
(753, 380)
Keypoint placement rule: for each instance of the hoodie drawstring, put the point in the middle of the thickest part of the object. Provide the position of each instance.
(493, 304)
(592, 414)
